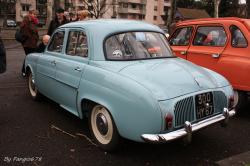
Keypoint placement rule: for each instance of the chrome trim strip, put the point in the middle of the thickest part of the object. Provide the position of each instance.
(188, 128)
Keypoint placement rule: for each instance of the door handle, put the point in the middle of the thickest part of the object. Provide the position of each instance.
(53, 62)
(215, 55)
(183, 52)
(78, 69)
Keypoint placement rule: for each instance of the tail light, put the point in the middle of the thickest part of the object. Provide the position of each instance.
(169, 121)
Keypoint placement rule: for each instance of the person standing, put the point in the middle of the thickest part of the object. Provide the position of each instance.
(2, 57)
(173, 25)
(73, 17)
(82, 15)
(59, 20)
(30, 32)
(41, 47)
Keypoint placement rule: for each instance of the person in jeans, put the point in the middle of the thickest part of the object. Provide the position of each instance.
(30, 32)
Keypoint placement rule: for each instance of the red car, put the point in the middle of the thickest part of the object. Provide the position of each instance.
(219, 44)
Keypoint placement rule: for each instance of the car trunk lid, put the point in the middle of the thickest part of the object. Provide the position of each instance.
(169, 78)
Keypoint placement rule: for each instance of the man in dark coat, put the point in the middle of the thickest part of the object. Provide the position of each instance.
(59, 20)
(173, 25)
(2, 57)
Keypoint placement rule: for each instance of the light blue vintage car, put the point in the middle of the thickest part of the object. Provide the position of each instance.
(124, 77)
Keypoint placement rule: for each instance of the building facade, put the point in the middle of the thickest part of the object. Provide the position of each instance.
(152, 11)
(157, 11)
(22, 7)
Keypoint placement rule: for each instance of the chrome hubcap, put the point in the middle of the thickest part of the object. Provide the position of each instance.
(102, 124)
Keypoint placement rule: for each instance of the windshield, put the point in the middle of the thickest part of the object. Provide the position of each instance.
(137, 45)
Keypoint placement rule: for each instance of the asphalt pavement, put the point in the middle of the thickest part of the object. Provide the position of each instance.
(41, 133)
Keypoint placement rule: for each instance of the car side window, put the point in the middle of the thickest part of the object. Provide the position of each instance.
(77, 44)
(210, 36)
(71, 44)
(181, 37)
(238, 39)
(56, 43)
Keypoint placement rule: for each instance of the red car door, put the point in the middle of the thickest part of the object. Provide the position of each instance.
(180, 41)
(208, 45)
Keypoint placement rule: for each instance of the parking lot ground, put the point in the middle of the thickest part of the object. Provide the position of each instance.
(42, 133)
(237, 160)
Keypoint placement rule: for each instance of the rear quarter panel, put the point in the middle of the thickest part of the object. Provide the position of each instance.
(132, 107)
(234, 63)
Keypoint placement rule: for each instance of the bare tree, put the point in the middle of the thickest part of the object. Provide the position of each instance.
(97, 8)
(171, 12)
(216, 8)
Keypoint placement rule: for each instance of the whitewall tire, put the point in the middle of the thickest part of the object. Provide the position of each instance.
(32, 87)
(103, 128)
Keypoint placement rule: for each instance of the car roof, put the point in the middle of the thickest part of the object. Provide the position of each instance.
(100, 29)
(113, 25)
(211, 20)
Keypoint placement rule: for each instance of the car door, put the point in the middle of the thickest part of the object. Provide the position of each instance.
(46, 65)
(208, 45)
(235, 66)
(70, 68)
(180, 41)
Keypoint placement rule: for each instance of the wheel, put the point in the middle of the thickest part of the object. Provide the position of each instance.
(240, 99)
(103, 128)
(32, 87)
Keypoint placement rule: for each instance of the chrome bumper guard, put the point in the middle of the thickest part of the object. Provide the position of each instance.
(189, 128)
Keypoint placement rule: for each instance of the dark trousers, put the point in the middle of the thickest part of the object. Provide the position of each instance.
(27, 51)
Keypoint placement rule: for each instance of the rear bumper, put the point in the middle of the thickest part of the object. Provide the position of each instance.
(189, 128)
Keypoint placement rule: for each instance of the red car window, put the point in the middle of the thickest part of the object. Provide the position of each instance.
(238, 38)
(210, 36)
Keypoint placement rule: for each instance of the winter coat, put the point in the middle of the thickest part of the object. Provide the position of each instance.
(30, 32)
(54, 24)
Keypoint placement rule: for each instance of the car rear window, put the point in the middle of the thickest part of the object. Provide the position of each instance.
(137, 45)
(210, 36)
(238, 38)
